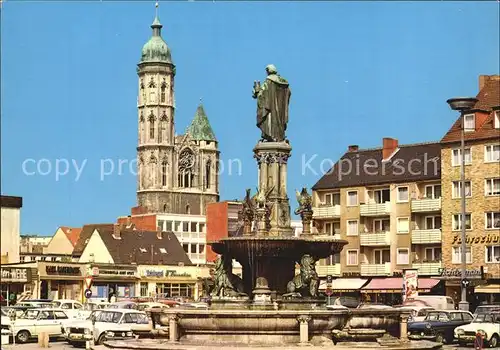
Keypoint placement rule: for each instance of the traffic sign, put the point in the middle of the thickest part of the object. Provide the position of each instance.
(88, 293)
(88, 281)
(329, 291)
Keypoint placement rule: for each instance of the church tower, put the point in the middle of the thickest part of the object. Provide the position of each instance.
(176, 174)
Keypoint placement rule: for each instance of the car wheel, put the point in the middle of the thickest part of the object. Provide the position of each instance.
(494, 341)
(439, 338)
(23, 337)
(101, 339)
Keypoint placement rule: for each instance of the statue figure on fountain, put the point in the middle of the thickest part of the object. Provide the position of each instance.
(307, 281)
(247, 213)
(304, 210)
(262, 210)
(227, 284)
(273, 98)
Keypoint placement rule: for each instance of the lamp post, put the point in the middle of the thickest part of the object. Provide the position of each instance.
(462, 104)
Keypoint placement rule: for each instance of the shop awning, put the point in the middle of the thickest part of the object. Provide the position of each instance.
(395, 285)
(345, 284)
(488, 288)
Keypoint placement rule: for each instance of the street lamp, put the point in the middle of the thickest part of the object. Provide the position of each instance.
(462, 104)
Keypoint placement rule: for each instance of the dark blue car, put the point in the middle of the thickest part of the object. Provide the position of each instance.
(439, 325)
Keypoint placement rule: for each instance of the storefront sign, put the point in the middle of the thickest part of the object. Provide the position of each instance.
(457, 273)
(489, 238)
(126, 273)
(15, 275)
(165, 273)
(63, 270)
(351, 274)
(410, 284)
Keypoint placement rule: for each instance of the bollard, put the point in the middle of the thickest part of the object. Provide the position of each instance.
(43, 340)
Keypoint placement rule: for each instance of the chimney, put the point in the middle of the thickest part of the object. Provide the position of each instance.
(390, 145)
(117, 231)
(159, 233)
(129, 220)
(485, 79)
(352, 148)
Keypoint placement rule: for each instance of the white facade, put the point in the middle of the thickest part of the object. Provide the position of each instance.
(10, 230)
(190, 230)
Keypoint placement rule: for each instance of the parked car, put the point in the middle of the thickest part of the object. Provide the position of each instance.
(151, 305)
(32, 303)
(485, 324)
(437, 302)
(77, 332)
(482, 309)
(71, 307)
(418, 313)
(35, 321)
(120, 321)
(439, 325)
(5, 320)
(123, 305)
(89, 307)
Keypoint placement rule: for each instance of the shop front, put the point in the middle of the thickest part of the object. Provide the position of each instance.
(389, 290)
(452, 278)
(113, 282)
(171, 281)
(16, 281)
(61, 280)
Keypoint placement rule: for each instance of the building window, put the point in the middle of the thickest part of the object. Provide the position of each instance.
(403, 194)
(469, 122)
(144, 289)
(403, 225)
(188, 209)
(379, 196)
(352, 198)
(432, 254)
(403, 256)
(456, 159)
(333, 259)
(382, 256)
(332, 228)
(162, 92)
(186, 163)
(332, 199)
(457, 220)
(152, 127)
(457, 189)
(172, 290)
(492, 220)
(492, 153)
(433, 191)
(456, 255)
(433, 223)
(22, 258)
(352, 228)
(208, 173)
(164, 173)
(496, 120)
(352, 257)
(492, 254)
(381, 225)
(492, 187)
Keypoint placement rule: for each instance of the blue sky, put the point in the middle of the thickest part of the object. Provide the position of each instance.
(358, 71)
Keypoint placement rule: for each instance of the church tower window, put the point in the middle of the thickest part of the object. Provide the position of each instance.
(152, 126)
(162, 92)
(185, 172)
(164, 173)
(208, 168)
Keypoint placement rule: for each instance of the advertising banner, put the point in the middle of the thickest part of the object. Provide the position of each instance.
(410, 284)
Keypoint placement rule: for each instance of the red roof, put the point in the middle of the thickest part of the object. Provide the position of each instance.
(488, 97)
(395, 284)
(73, 233)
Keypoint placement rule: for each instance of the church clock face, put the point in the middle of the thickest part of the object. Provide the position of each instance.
(186, 159)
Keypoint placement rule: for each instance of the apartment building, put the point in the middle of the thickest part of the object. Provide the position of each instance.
(482, 190)
(386, 202)
(10, 228)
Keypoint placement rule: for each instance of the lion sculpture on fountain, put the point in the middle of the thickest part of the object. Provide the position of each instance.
(227, 284)
(307, 281)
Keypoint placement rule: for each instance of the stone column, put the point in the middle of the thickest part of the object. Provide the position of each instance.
(304, 329)
(403, 328)
(173, 327)
(306, 217)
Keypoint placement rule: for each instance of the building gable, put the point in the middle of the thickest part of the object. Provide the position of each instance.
(59, 244)
(96, 250)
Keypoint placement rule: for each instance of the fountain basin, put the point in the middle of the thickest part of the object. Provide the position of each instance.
(254, 326)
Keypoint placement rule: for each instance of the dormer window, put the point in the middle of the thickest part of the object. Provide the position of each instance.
(163, 251)
(496, 120)
(143, 250)
(469, 122)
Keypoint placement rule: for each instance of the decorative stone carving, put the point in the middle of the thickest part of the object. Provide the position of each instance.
(307, 281)
(152, 159)
(262, 210)
(152, 83)
(186, 159)
(227, 284)
(272, 157)
(304, 318)
(247, 213)
(151, 116)
(141, 117)
(261, 292)
(304, 210)
(164, 117)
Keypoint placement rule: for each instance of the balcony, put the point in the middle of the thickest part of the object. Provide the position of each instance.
(194, 237)
(375, 209)
(426, 236)
(376, 269)
(374, 239)
(428, 268)
(425, 205)
(326, 270)
(326, 212)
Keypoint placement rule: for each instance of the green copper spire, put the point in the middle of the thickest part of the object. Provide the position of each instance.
(156, 49)
(200, 129)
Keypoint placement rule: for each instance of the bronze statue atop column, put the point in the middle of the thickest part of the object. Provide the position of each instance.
(273, 98)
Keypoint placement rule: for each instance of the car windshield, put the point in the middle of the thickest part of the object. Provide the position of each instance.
(30, 314)
(437, 316)
(56, 304)
(4, 313)
(109, 316)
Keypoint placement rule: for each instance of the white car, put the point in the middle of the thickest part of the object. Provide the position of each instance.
(71, 307)
(77, 332)
(5, 321)
(418, 313)
(88, 309)
(151, 305)
(35, 321)
(487, 325)
(120, 322)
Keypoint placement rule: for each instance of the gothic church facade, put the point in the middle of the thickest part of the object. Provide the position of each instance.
(176, 173)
